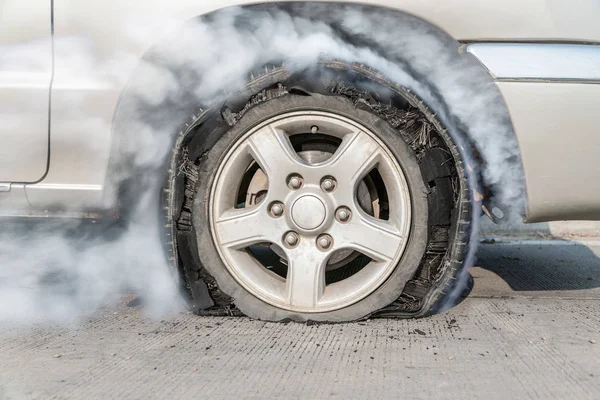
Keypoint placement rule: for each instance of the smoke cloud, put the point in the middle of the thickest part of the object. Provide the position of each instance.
(63, 271)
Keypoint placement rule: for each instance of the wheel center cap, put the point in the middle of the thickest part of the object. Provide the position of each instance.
(308, 212)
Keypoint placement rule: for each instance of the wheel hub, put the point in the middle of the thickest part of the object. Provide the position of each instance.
(309, 212)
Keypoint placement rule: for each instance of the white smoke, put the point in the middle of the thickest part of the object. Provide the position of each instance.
(48, 274)
(224, 51)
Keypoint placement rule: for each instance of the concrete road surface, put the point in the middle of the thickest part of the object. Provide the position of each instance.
(529, 330)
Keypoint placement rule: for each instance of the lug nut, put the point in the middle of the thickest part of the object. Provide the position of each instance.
(314, 129)
(343, 214)
(291, 239)
(295, 182)
(277, 209)
(324, 242)
(328, 184)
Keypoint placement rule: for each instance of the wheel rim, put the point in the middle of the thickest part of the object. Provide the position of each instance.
(310, 213)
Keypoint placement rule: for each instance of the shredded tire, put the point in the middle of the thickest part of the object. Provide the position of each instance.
(440, 161)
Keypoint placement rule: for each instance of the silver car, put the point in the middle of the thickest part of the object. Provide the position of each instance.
(303, 160)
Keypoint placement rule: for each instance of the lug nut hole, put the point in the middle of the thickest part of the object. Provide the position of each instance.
(276, 209)
(343, 215)
(291, 240)
(324, 242)
(328, 184)
(295, 181)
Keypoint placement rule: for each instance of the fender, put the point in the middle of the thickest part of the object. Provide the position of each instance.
(85, 103)
(460, 79)
(429, 81)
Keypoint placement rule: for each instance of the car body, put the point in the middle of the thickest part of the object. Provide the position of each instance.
(443, 104)
(543, 55)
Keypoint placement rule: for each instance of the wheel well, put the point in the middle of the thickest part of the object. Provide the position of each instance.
(444, 80)
(393, 46)
(190, 147)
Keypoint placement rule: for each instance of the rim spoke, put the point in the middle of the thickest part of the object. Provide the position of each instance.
(273, 151)
(306, 276)
(356, 156)
(243, 227)
(376, 238)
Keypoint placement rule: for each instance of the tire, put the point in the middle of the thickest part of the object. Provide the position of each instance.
(431, 164)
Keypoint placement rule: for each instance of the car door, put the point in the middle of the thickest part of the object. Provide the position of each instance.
(25, 78)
